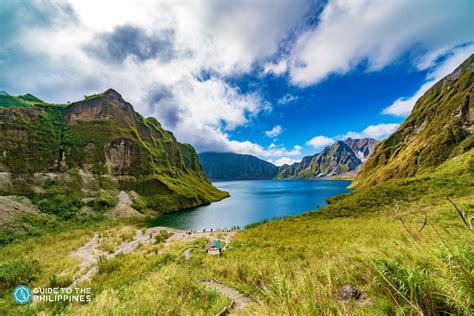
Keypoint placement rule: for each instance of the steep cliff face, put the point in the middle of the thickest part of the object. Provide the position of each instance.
(112, 146)
(362, 147)
(230, 166)
(438, 128)
(340, 158)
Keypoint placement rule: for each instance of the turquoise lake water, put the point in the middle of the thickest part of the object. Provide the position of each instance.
(255, 201)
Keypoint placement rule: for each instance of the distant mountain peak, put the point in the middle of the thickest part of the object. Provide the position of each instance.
(342, 157)
(112, 94)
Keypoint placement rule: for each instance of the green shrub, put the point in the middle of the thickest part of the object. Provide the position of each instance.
(104, 202)
(140, 204)
(162, 236)
(129, 234)
(107, 265)
(60, 281)
(61, 205)
(16, 272)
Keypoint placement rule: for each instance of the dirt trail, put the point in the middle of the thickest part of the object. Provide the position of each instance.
(89, 253)
(240, 300)
(187, 254)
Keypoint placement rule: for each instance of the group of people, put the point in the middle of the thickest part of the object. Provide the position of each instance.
(190, 232)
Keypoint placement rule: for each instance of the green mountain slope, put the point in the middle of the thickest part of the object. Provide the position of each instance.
(230, 166)
(439, 128)
(26, 100)
(97, 146)
(340, 158)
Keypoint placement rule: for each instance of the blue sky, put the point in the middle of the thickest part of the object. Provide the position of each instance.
(273, 78)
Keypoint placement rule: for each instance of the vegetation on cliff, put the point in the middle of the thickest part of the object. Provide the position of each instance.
(439, 128)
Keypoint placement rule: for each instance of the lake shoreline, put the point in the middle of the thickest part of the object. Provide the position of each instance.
(254, 201)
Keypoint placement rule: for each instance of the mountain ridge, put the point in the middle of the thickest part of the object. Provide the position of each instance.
(232, 166)
(438, 128)
(340, 158)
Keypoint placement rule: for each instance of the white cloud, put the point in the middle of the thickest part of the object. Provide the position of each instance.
(287, 98)
(403, 106)
(376, 33)
(277, 69)
(379, 131)
(206, 37)
(284, 161)
(274, 132)
(320, 141)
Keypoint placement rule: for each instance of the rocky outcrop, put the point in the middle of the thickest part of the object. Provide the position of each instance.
(12, 207)
(362, 147)
(349, 292)
(95, 145)
(121, 155)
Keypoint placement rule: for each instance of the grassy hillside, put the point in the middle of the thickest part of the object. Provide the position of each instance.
(439, 127)
(26, 100)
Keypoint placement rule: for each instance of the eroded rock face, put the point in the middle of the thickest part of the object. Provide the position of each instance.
(87, 112)
(110, 106)
(121, 155)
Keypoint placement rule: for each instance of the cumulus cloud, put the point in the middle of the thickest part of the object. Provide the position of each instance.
(154, 54)
(379, 131)
(276, 69)
(132, 42)
(376, 33)
(287, 98)
(403, 106)
(274, 132)
(283, 161)
(319, 141)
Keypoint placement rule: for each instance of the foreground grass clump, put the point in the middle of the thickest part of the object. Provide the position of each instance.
(19, 271)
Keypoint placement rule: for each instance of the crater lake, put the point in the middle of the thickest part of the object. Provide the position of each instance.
(255, 201)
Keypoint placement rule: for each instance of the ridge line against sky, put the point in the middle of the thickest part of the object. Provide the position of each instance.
(276, 79)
